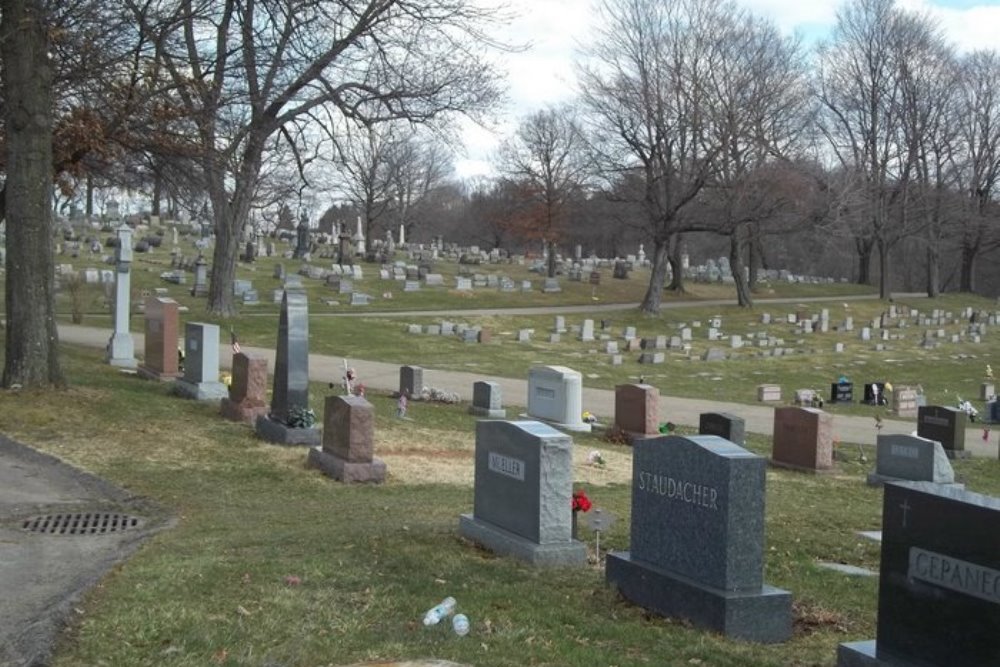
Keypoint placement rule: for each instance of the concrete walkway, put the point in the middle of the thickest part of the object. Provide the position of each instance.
(683, 411)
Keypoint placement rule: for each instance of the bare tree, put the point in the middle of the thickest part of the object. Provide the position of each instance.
(861, 86)
(32, 340)
(758, 94)
(546, 159)
(246, 70)
(643, 82)
(419, 165)
(978, 160)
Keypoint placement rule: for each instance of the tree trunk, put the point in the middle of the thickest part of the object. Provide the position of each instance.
(862, 272)
(676, 264)
(90, 196)
(743, 297)
(551, 270)
(933, 271)
(157, 194)
(883, 265)
(657, 276)
(32, 340)
(967, 280)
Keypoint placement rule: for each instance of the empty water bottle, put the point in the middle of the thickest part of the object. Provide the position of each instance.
(461, 624)
(439, 611)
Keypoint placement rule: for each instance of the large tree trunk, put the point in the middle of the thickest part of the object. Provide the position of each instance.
(551, 268)
(32, 341)
(862, 273)
(968, 273)
(933, 271)
(883, 266)
(657, 276)
(743, 297)
(674, 257)
(230, 213)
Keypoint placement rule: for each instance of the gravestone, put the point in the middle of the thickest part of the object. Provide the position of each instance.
(768, 392)
(939, 581)
(551, 286)
(347, 454)
(200, 287)
(487, 400)
(587, 330)
(523, 493)
(411, 381)
(803, 439)
(247, 398)
(910, 458)
(726, 426)
(121, 346)
(841, 392)
(637, 410)
(201, 363)
(290, 391)
(904, 401)
(555, 395)
(160, 362)
(947, 426)
(697, 539)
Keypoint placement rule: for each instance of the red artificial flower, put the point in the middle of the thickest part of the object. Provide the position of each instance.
(581, 503)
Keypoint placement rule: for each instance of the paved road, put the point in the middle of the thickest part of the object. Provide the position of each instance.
(684, 411)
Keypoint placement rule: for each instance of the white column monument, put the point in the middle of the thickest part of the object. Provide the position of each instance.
(359, 240)
(121, 347)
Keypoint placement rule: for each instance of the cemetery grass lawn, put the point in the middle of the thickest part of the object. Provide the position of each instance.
(271, 563)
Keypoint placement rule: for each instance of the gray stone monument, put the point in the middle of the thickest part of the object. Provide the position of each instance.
(201, 363)
(697, 539)
(290, 395)
(910, 458)
(121, 346)
(348, 447)
(523, 493)
(487, 400)
(200, 287)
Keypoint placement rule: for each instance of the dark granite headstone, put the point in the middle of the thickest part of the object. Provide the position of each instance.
(523, 493)
(910, 458)
(487, 400)
(697, 538)
(946, 425)
(290, 392)
(411, 380)
(875, 394)
(726, 426)
(842, 392)
(939, 582)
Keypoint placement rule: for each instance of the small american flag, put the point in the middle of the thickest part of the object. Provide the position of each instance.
(236, 343)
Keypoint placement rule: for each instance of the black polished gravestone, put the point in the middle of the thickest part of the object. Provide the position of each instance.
(947, 426)
(726, 426)
(287, 422)
(874, 394)
(841, 392)
(697, 539)
(939, 582)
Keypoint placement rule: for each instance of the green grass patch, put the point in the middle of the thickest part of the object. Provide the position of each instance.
(271, 563)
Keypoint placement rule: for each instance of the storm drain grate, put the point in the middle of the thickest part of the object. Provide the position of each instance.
(88, 523)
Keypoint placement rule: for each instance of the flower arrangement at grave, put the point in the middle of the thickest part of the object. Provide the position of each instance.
(581, 503)
(667, 428)
(299, 417)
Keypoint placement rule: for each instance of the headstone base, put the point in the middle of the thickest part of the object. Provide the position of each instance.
(201, 391)
(505, 543)
(581, 427)
(153, 374)
(875, 479)
(343, 470)
(862, 654)
(792, 466)
(763, 616)
(487, 413)
(121, 351)
(958, 453)
(124, 362)
(282, 434)
(242, 411)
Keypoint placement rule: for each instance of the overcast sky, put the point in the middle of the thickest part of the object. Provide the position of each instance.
(543, 74)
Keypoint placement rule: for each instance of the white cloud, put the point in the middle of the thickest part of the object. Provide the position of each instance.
(968, 28)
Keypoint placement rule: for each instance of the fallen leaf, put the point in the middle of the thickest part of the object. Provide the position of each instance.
(242, 611)
(292, 580)
(220, 656)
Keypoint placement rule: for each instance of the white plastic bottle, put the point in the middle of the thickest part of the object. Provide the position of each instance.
(439, 611)
(460, 623)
